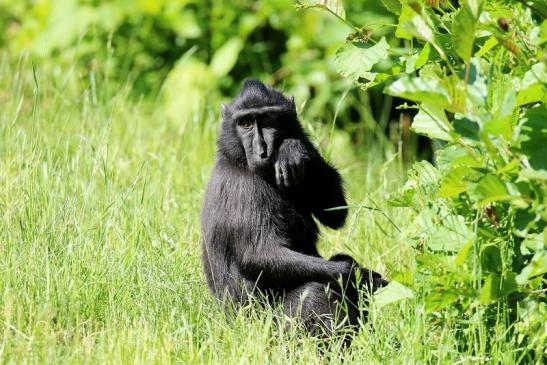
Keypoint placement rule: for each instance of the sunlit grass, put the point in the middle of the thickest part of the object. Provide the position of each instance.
(100, 245)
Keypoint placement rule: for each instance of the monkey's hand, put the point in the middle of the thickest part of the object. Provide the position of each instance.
(367, 279)
(291, 163)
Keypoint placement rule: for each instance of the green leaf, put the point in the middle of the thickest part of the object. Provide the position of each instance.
(406, 15)
(453, 183)
(450, 236)
(490, 289)
(533, 137)
(423, 56)
(489, 189)
(393, 5)
(431, 121)
(504, 112)
(477, 90)
(421, 90)
(490, 256)
(487, 46)
(509, 284)
(186, 24)
(467, 128)
(538, 266)
(542, 38)
(355, 60)
(439, 299)
(335, 6)
(418, 27)
(422, 176)
(464, 251)
(532, 94)
(417, 60)
(496, 287)
(456, 155)
(533, 87)
(463, 28)
(225, 57)
(392, 293)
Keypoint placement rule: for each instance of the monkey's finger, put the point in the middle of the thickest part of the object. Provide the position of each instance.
(287, 175)
(278, 174)
(299, 173)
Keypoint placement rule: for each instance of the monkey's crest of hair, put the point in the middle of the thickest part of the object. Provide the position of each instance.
(254, 95)
(253, 98)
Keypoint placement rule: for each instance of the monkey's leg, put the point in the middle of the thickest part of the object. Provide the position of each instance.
(318, 306)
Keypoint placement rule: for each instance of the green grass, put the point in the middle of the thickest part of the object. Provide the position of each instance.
(100, 245)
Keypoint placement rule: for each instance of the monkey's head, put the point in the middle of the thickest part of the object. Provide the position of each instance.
(254, 125)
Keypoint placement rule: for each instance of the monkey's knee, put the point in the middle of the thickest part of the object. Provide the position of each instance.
(314, 304)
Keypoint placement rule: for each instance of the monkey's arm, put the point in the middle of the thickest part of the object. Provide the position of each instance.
(323, 186)
(300, 166)
(274, 265)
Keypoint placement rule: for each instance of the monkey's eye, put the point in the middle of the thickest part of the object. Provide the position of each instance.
(246, 123)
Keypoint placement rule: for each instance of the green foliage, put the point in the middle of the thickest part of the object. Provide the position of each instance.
(477, 75)
(192, 53)
(355, 60)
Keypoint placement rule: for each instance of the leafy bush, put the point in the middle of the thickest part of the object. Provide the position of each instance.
(476, 74)
(190, 52)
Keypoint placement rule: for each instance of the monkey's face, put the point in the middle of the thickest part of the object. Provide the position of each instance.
(260, 135)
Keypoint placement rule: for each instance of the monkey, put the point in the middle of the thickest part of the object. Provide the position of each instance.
(267, 189)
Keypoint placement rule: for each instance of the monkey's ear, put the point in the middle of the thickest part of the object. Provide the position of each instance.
(225, 110)
(291, 99)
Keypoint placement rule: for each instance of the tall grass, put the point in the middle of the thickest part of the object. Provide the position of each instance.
(100, 245)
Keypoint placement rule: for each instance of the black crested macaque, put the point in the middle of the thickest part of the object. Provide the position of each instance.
(258, 230)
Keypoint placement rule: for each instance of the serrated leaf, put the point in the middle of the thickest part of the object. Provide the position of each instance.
(335, 6)
(457, 92)
(420, 90)
(225, 57)
(355, 60)
(504, 112)
(422, 176)
(450, 236)
(431, 122)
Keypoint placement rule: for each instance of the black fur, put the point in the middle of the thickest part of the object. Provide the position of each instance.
(257, 219)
